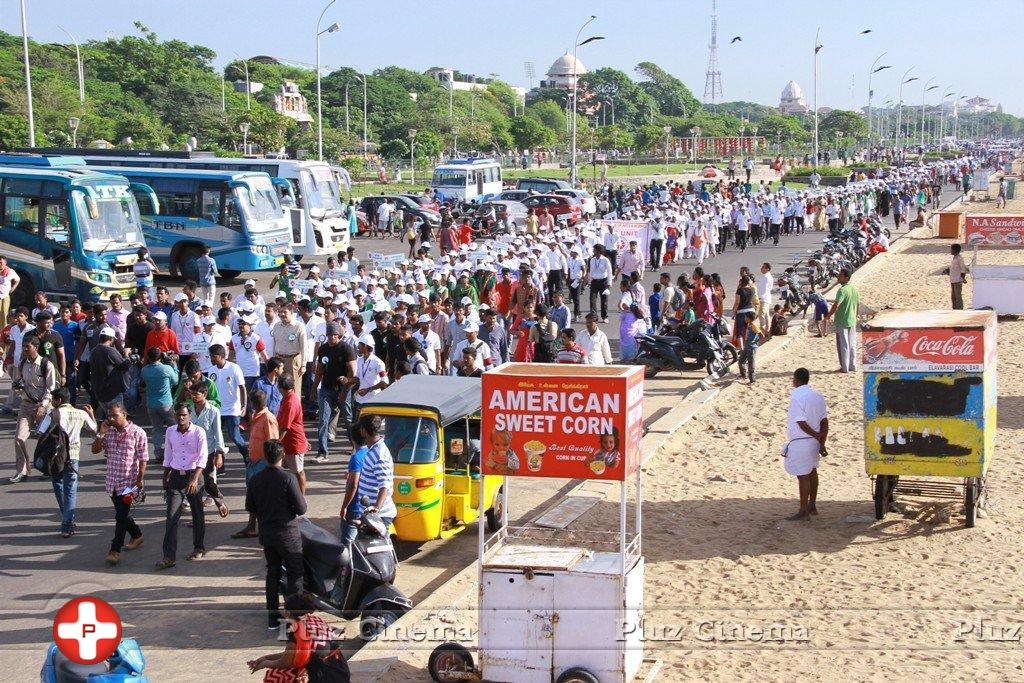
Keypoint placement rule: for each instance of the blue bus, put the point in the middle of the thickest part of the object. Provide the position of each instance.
(69, 232)
(237, 213)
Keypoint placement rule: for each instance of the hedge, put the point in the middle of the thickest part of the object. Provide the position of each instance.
(822, 170)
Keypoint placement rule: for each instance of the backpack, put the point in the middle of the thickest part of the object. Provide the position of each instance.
(678, 300)
(53, 450)
(544, 349)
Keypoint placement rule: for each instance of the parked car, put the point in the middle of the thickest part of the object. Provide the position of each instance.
(425, 202)
(369, 206)
(514, 195)
(562, 208)
(512, 214)
(542, 185)
(585, 198)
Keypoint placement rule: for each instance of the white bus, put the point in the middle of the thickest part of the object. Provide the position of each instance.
(467, 179)
(319, 222)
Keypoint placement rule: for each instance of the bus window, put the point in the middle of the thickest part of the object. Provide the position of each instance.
(22, 213)
(56, 223)
(145, 203)
(209, 201)
(231, 217)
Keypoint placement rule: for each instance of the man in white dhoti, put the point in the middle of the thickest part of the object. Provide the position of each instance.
(806, 431)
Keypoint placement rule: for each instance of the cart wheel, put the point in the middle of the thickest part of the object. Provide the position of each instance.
(494, 514)
(577, 674)
(882, 492)
(451, 662)
(970, 501)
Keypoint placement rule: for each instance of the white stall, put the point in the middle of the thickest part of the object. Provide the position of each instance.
(996, 286)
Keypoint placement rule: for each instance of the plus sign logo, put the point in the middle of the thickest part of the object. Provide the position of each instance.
(87, 630)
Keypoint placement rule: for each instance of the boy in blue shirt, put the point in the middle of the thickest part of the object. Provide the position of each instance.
(654, 304)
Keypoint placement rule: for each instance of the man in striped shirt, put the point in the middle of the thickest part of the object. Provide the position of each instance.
(370, 473)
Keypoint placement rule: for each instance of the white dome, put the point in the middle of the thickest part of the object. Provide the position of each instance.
(563, 66)
(792, 91)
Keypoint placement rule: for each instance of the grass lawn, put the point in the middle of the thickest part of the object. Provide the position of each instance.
(614, 171)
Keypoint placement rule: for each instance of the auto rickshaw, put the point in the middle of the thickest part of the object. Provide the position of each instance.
(432, 428)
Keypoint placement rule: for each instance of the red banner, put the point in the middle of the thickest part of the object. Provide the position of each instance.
(924, 350)
(567, 421)
(994, 230)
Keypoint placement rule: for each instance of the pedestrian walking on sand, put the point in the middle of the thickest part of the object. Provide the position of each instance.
(844, 317)
(957, 272)
(806, 431)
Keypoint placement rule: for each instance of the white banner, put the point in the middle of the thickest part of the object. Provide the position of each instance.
(627, 231)
(303, 285)
(389, 261)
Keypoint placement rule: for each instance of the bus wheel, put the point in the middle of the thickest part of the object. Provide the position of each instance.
(230, 274)
(186, 262)
(25, 294)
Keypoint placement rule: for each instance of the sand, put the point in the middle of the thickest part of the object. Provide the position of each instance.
(851, 598)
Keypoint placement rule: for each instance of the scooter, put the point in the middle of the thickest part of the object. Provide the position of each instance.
(124, 666)
(353, 581)
(701, 341)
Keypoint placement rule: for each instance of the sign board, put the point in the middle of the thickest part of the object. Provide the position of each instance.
(994, 230)
(929, 341)
(565, 421)
(386, 261)
(627, 231)
(303, 285)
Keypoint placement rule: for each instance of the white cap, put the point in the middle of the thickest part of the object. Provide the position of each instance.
(280, 295)
(366, 340)
(250, 283)
(423, 319)
(108, 332)
(471, 327)
(466, 301)
(247, 306)
(160, 315)
(251, 319)
(314, 268)
(209, 320)
(180, 296)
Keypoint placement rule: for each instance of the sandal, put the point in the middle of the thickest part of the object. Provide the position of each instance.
(196, 555)
(245, 533)
(165, 563)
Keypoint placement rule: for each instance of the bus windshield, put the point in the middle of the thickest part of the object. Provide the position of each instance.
(117, 222)
(448, 178)
(411, 439)
(320, 191)
(260, 204)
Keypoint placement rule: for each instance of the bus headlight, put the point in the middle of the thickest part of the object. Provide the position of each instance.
(100, 276)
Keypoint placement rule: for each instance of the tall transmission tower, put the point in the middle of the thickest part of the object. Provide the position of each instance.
(530, 72)
(713, 78)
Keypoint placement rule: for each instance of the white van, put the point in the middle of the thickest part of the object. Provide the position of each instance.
(467, 179)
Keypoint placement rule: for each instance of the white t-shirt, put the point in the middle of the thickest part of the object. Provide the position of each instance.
(228, 380)
(200, 346)
(184, 326)
(370, 371)
(764, 288)
(247, 353)
(7, 282)
(430, 343)
(263, 329)
(316, 331)
(805, 405)
(483, 353)
(17, 334)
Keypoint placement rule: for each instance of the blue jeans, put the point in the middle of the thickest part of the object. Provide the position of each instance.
(65, 488)
(330, 405)
(134, 381)
(349, 529)
(231, 426)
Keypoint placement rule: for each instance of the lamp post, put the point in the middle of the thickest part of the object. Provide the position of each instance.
(753, 142)
(668, 131)
(73, 125)
(942, 115)
(927, 87)
(575, 45)
(695, 132)
(28, 77)
(245, 64)
(817, 49)
(455, 134)
(899, 106)
(743, 129)
(956, 115)
(244, 127)
(362, 77)
(412, 156)
(874, 69)
(333, 28)
(78, 58)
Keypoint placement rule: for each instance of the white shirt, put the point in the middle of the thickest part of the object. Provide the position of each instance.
(610, 241)
(805, 405)
(600, 268)
(483, 353)
(246, 354)
(555, 260)
(71, 420)
(185, 325)
(316, 331)
(575, 268)
(262, 329)
(764, 288)
(596, 346)
(430, 343)
(7, 282)
(200, 346)
(228, 380)
(17, 334)
(370, 371)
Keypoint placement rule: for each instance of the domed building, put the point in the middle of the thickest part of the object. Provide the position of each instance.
(561, 74)
(791, 101)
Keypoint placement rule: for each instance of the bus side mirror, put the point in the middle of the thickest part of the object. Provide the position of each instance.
(146, 193)
(90, 201)
(284, 190)
(248, 190)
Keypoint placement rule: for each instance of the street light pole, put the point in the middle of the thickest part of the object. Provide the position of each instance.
(319, 111)
(575, 45)
(899, 109)
(78, 59)
(874, 69)
(817, 48)
(244, 127)
(73, 125)
(927, 87)
(695, 132)
(942, 116)
(668, 131)
(245, 63)
(412, 156)
(28, 77)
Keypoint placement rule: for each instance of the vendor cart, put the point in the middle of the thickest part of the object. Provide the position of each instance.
(999, 287)
(557, 605)
(929, 405)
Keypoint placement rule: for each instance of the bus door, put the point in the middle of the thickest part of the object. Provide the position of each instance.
(55, 245)
(479, 182)
(216, 215)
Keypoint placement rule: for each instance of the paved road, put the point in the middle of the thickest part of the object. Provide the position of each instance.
(211, 609)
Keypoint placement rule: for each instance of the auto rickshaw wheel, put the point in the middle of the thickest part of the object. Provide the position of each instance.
(451, 662)
(495, 513)
(970, 501)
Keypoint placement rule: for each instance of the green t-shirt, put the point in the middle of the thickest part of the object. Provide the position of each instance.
(847, 299)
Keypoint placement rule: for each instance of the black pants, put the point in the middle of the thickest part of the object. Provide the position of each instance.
(597, 288)
(574, 297)
(723, 238)
(748, 174)
(774, 230)
(281, 548)
(747, 359)
(123, 523)
(800, 224)
(209, 485)
(741, 239)
(655, 253)
(554, 285)
(755, 233)
(177, 486)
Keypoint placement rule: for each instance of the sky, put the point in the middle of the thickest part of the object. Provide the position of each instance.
(967, 47)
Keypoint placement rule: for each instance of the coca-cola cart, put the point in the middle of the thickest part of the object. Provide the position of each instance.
(929, 405)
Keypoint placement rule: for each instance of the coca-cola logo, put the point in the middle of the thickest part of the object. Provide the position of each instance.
(959, 345)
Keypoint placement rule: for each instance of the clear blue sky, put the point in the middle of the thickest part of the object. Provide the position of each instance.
(972, 46)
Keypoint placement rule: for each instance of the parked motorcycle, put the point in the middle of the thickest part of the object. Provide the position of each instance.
(124, 666)
(794, 298)
(356, 581)
(702, 341)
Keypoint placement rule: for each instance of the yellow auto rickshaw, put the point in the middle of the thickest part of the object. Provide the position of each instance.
(432, 428)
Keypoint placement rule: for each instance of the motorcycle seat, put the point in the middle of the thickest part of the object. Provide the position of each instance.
(321, 546)
(667, 339)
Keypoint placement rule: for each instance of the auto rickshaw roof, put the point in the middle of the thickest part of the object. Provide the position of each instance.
(450, 397)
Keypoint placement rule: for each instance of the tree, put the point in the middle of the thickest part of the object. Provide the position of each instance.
(777, 127)
(671, 94)
(428, 144)
(613, 137)
(529, 133)
(394, 149)
(550, 114)
(603, 87)
(648, 137)
(849, 123)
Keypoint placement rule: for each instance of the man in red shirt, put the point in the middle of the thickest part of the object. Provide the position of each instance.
(161, 336)
(465, 232)
(292, 430)
(504, 289)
